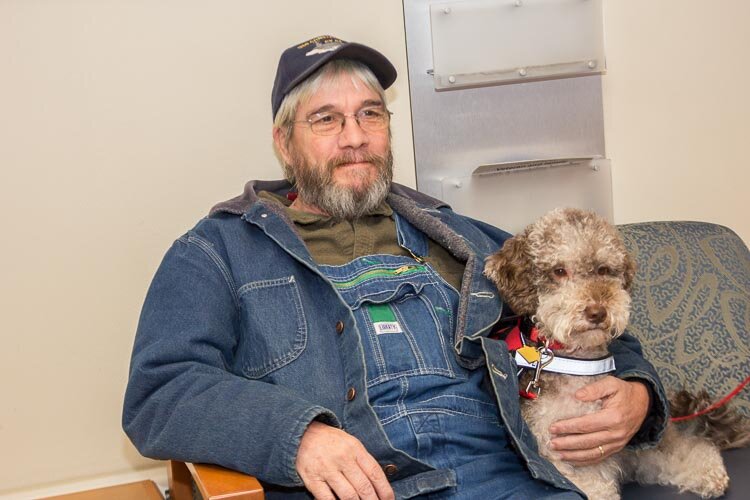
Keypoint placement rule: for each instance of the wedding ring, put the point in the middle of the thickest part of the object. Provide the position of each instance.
(601, 450)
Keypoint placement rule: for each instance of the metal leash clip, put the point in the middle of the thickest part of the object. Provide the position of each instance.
(534, 387)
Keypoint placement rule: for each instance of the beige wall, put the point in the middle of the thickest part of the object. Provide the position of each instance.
(677, 110)
(121, 122)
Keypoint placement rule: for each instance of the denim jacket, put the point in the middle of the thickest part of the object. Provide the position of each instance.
(242, 342)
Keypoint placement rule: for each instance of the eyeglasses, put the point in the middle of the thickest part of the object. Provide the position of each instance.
(332, 122)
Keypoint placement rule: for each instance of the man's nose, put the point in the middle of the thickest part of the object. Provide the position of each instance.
(352, 135)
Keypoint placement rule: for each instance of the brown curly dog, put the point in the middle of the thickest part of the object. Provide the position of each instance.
(570, 273)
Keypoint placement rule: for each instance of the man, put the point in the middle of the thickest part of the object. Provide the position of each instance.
(329, 334)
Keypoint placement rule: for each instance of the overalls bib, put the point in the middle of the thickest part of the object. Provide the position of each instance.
(430, 407)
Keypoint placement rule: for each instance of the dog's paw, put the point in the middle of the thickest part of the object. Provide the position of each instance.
(713, 484)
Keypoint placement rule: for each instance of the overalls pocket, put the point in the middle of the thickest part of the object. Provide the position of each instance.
(404, 314)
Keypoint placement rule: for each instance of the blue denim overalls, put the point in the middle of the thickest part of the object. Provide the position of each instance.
(430, 407)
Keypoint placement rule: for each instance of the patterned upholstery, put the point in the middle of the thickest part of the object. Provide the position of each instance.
(691, 304)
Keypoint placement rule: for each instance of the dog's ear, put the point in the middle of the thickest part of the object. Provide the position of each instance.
(510, 270)
(629, 273)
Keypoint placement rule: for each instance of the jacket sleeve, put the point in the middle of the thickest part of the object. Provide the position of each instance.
(631, 365)
(182, 402)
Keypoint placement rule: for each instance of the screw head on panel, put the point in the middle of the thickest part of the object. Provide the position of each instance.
(451, 79)
(522, 71)
(591, 64)
(447, 10)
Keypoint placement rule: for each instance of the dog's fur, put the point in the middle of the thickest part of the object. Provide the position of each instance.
(570, 273)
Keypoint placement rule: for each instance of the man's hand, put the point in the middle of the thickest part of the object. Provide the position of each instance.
(589, 439)
(331, 461)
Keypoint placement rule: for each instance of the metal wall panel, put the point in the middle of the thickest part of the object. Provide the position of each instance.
(457, 131)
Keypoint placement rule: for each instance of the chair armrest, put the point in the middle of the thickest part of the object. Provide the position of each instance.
(213, 482)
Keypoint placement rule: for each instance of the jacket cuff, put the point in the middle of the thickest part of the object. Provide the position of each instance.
(292, 441)
(655, 423)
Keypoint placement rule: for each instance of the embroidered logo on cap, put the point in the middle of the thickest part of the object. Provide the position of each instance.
(323, 44)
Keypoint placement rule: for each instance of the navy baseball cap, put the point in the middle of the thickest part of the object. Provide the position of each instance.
(299, 62)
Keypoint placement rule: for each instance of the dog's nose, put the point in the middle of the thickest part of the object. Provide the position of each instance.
(595, 313)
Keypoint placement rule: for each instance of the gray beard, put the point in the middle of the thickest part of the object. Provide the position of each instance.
(315, 184)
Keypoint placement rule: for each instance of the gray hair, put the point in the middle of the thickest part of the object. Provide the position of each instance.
(358, 71)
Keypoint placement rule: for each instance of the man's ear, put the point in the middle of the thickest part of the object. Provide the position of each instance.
(280, 141)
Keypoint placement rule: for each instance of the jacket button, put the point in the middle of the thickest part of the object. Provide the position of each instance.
(390, 469)
(339, 327)
(351, 393)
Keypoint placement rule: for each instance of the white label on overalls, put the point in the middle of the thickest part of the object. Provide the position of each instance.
(387, 327)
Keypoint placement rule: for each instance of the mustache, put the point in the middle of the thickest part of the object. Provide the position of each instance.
(356, 157)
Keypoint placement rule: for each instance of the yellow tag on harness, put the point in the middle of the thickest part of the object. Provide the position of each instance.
(530, 354)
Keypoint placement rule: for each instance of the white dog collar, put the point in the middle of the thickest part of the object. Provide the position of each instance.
(571, 366)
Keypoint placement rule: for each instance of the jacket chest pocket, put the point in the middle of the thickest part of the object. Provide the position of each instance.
(274, 326)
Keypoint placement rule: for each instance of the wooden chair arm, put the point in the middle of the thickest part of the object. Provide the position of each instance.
(213, 482)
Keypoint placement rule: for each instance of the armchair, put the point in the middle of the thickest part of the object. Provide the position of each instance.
(691, 312)
(189, 481)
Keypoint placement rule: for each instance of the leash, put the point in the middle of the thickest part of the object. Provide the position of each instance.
(714, 406)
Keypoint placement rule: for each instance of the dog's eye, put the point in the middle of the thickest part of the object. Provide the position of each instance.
(559, 272)
(603, 270)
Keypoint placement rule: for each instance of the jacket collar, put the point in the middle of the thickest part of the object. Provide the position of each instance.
(241, 204)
